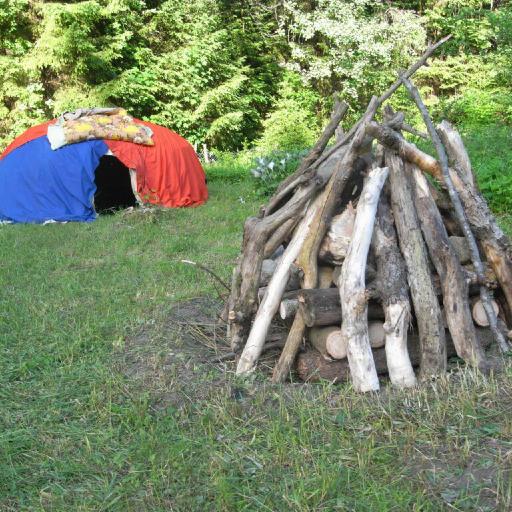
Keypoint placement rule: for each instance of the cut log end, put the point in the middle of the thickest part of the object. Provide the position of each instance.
(479, 314)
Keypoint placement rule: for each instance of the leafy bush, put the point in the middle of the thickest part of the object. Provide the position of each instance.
(489, 151)
(478, 107)
(270, 170)
(294, 122)
(229, 168)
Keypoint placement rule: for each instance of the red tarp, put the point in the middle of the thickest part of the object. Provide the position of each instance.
(168, 173)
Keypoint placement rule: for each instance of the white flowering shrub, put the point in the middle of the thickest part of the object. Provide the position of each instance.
(271, 169)
(342, 43)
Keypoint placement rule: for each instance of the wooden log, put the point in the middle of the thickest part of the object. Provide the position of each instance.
(478, 312)
(330, 198)
(460, 244)
(395, 142)
(376, 334)
(261, 236)
(336, 345)
(370, 272)
(268, 268)
(312, 367)
(289, 295)
(390, 286)
(288, 308)
(321, 307)
(292, 344)
(447, 265)
(319, 337)
(307, 258)
(354, 300)
(335, 244)
(424, 299)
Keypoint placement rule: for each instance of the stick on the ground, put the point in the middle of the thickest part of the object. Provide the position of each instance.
(202, 267)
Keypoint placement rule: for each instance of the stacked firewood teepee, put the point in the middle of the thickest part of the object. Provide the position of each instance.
(358, 249)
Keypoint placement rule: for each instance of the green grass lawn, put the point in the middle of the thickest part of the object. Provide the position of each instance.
(82, 306)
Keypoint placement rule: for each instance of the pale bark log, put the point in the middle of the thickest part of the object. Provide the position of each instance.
(424, 299)
(270, 303)
(447, 265)
(399, 364)
(390, 287)
(354, 300)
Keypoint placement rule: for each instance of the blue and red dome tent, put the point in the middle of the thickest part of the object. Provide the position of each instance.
(38, 183)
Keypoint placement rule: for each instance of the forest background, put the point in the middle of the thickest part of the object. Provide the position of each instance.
(240, 74)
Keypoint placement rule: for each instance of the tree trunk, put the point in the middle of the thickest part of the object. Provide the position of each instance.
(424, 299)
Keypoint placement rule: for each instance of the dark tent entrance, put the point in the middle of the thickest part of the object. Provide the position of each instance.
(114, 189)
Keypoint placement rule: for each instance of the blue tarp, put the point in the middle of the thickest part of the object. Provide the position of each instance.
(38, 184)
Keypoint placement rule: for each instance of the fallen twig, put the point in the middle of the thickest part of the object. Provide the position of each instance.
(202, 267)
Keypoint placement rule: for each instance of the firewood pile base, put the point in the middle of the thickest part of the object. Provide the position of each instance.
(379, 258)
